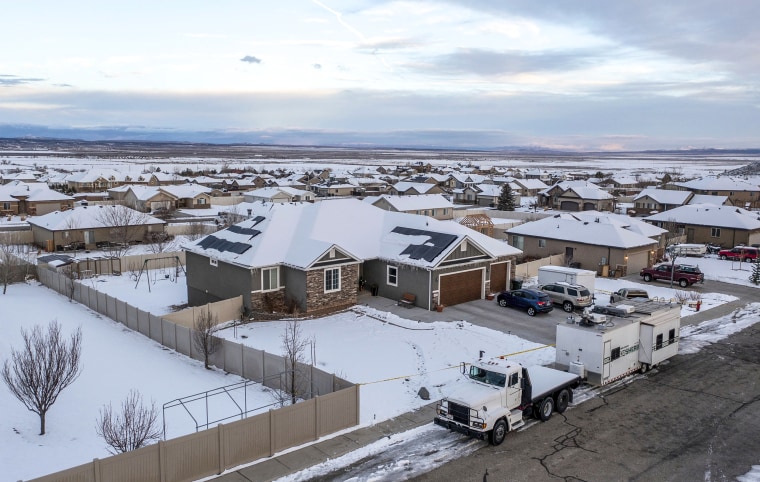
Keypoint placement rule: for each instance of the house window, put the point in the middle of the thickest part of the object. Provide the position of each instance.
(541, 243)
(270, 279)
(518, 241)
(392, 275)
(332, 280)
(445, 211)
(202, 200)
(433, 213)
(6, 206)
(715, 232)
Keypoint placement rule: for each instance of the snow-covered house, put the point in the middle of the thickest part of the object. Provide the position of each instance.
(433, 205)
(278, 195)
(741, 192)
(91, 226)
(727, 226)
(32, 198)
(576, 196)
(590, 240)
(652, 201)
(405, 188)
(316, 257)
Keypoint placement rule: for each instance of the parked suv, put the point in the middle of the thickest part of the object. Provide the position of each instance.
(684, 274)
(533, 301)
(568, 295)
(739, 253)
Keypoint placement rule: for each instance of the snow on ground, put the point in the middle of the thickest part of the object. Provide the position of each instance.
(115, 360)
(390, 356)
(156, 291)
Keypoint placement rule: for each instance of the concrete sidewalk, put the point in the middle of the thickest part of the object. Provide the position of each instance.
(313, 454)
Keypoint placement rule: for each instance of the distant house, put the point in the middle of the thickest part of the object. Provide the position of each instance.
(727, 226)
(31, 198)
(90, 225)
(405, 188)
(333, 189)
(316, 257)
(489, 194)
(433, 205)
(576, 196)
(741, 192)
(590, 240)
(94, 180)
(278, 195)
(653, 201)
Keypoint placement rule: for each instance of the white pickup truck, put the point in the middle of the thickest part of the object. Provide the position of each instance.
(498, 393)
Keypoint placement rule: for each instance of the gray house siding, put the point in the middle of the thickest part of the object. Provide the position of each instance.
(217, 282)
(410, 280)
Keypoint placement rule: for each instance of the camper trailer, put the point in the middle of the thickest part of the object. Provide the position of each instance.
(619, 339)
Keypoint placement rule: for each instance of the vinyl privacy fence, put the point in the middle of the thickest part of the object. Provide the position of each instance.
(332, 405)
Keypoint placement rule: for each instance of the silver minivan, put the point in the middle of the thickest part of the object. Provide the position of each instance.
(568, 295)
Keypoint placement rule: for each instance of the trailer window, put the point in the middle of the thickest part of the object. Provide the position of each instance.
(658, 342)
(615, 353)
(672, 336)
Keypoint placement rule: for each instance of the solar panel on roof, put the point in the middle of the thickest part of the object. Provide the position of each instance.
(430, 249)
(241, 230)
(257, 220)
(212, 242)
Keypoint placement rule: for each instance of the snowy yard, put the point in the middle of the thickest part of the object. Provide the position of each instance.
(390, 356)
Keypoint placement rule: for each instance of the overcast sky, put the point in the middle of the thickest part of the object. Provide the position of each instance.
(598, 74)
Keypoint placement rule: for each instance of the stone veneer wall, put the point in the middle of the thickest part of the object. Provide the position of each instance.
(318, 300)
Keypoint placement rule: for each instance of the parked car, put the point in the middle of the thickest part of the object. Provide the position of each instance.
(739, 253)
(684, 274)
(570, 296)
(627, 294)
(533, 301)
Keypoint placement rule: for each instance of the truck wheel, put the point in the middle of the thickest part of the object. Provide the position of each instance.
(502, 302)
(546, 408)
(647, 277)
(531, 311)
(498, 433)
(683, 283)
(567, 306)
(723, 257)
(563, 400)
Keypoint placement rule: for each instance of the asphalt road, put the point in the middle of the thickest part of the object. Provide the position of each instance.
(696, 417)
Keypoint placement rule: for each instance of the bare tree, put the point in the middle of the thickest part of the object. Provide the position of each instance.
(161, 242)
(130, 429)
(11, 259)
(47, 364)
(71, 273)
(294, 345)
(206, 325)
(196, 230)
(125, 226)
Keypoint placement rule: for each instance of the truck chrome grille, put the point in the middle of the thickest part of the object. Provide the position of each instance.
(460, 413)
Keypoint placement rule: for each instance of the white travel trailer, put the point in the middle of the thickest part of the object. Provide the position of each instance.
(574, 276)
(625, 337)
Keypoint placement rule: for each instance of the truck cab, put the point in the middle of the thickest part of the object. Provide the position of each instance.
(497, 394)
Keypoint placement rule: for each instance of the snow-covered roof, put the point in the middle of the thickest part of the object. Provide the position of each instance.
(531, 183)
(708, 199)
(31, 191)
(89, 217)
(144, 193)
(186, 191)
(580, 231)
(421, 187)
(636, 225)
(710, 215)
(664, 196)
(590, 192)
(414, 203)
(719, 183)
(299, 234)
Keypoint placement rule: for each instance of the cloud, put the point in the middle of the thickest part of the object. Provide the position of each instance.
(317, 66)
(251, 59)
(489, 62)
(16, 80)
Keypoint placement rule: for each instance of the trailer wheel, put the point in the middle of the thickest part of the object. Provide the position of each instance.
(546, 408)
(644, 368)
(563, 400)
(498, 433)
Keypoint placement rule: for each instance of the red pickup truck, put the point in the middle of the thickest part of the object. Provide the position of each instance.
(684, 274)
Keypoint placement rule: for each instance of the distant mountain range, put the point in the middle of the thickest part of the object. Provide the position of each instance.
(416, 140)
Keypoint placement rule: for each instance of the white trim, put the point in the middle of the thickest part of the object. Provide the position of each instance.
(324, 279)
(388, 275)
(213, 262)
(277, 270)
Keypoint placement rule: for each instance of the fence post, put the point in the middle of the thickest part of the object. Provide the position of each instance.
(96, 469)
(317, 425)
(222, 449)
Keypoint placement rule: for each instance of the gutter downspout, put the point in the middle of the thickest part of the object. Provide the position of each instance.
(430, 288)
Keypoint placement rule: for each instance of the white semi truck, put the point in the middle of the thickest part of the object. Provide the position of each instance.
(498, 393)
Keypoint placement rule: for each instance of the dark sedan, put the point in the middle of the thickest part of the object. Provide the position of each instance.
(532, 301)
